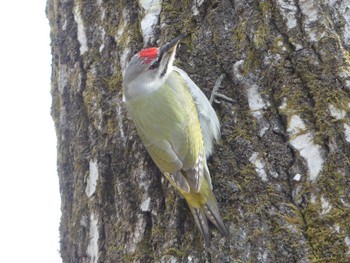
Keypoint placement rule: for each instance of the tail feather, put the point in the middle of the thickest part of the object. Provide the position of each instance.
(202, 223)
(209, 211)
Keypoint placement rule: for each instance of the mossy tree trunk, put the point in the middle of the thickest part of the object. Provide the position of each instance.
(281, 172)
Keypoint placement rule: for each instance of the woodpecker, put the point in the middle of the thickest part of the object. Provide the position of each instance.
(177, 125)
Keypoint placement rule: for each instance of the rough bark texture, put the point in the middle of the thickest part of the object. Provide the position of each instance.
(281, 173)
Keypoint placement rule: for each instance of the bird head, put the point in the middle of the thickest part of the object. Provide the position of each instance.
(149, 68)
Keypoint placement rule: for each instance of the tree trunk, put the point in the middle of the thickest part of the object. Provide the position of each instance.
(281, 171)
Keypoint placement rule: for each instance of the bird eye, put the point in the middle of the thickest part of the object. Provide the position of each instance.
(155, 64)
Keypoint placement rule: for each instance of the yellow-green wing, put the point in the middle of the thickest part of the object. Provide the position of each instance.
(168, 125)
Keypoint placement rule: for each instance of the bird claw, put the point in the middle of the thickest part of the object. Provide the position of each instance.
(215, 94)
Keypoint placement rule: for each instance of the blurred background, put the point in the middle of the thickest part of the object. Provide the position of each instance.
(29, 194)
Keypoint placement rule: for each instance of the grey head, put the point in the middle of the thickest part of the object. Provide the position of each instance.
(149, 69)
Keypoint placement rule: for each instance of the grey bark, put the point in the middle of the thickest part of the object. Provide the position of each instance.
(281, 172)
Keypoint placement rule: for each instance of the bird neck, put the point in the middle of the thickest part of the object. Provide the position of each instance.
(142, 86)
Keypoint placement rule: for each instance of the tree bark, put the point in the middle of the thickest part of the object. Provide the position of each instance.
(281, 172)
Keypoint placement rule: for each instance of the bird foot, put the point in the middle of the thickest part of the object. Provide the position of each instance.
(215, 94)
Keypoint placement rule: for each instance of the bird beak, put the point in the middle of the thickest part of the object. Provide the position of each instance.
(171, 46)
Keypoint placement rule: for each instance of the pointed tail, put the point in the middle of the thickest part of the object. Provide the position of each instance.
(208, 211)
(202, 223)
(211, 210)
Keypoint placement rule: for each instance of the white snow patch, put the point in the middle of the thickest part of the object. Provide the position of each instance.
(309, 10)
(143, 176)
(280, 43)
(344, 202)
(255, 101)
(126, 51)
(263, 130)
(347, 23)
(274, 174)
(192, 259)
(347, 240)
(304, 144)
(332, 2)
(84, 221)
(62, 77)
(259, 166)
(344, 74)
(292, 228)
(326, 207)
(101, 28)
(197, 4)
(283, 106)
(92, 178)
(237, 70)
(336, 113)
(297, 46)
(339, 115)
(103, 34)
(120, 122)
(272, 59)
(347, 132)
(152, 10)
(262, 256)
(337, 228)
(102, 47)
(122, 28)
(315, 35)
(103, 13)
(342, 8)
(123, 58)
(137, 235)
(92, 249)
(347, 83)
(81, 31)
(145, 204)
(297, 177)
(313, 199)
(64, 26)
(288, 10)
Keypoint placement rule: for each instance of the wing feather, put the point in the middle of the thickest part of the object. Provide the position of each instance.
(170, 130)
(208, 119)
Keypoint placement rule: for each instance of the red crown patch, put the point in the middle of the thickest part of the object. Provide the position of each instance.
(148, 54)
